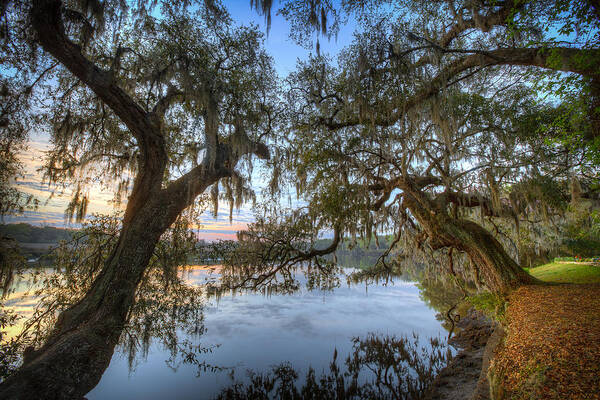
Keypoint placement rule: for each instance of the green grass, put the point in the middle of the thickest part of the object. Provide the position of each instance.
(566, 273)
(490, 304)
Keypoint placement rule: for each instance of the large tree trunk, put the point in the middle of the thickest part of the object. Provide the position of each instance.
(80, 348)
(493, 266)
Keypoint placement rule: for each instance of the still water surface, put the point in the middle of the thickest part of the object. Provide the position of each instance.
(255, 332)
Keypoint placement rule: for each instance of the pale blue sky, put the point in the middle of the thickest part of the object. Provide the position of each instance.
(284, 51)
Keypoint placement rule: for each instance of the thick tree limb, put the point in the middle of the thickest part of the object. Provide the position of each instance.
(173, 95)
(471, 201)
(312, 253)
(401, 182)
(580, 61)
(184, 190)
(46, 17)
(483, 23)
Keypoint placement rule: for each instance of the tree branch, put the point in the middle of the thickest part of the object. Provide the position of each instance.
(47, 22)
(471, 201)
(580, 61)
(173, 95)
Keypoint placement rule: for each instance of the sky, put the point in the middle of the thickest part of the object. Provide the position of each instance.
(51, 211)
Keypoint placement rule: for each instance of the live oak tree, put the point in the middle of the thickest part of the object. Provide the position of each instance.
(448, 175)
(447, 40)
(164, 307)
(168, 100)
(411, 116)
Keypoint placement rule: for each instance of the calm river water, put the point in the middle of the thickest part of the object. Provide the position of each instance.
(255, 332)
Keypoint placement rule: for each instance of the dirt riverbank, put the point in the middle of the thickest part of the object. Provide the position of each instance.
(466, 375)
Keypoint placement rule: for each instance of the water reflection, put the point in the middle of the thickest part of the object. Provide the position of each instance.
(255, 332)
(379, 367)
(21, 299)
(191, 343)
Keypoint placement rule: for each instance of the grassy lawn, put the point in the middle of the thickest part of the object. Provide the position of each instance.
(566, 273)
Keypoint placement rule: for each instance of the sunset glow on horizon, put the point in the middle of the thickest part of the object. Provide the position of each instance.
(51, 211)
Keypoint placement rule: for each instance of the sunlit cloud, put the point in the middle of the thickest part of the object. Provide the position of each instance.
(53, 202)
(41, 218)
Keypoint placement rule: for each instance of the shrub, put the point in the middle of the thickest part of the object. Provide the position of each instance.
(491, 304)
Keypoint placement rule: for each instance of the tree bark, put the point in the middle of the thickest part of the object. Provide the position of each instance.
(72, 361)
(80, 348)
(493, 266)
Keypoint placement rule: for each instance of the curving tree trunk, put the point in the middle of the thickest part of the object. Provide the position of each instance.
(493, 266)
(80, 348)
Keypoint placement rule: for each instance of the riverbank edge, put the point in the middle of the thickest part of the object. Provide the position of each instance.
(467, 376)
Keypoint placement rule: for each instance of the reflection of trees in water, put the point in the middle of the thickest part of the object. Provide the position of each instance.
(446, 297)
(379, 367)
(171, 315)
(442, 292)
(164, 304)
(169, 312)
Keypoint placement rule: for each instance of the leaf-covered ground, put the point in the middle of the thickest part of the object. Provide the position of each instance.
(552, 348)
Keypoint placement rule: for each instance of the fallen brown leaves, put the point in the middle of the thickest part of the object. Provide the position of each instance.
(552, 349)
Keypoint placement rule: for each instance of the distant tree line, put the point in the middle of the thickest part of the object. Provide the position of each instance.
(26, 233)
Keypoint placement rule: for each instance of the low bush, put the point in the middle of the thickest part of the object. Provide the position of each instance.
(558, 259)
(491, 304)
